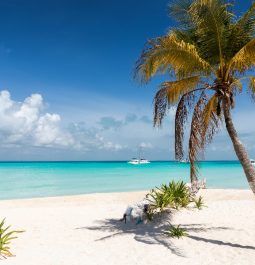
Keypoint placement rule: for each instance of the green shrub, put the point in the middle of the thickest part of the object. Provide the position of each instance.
(176, 231)
(158, 199)
(179, 194)
(6, 236)
(174, 195)
(199, 203)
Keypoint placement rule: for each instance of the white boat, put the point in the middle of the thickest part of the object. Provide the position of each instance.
(253, 162)
(138, 161)
(186, 161)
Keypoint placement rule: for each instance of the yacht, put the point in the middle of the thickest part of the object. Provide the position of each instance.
(253, 162)
(185, 161)
(138, 161)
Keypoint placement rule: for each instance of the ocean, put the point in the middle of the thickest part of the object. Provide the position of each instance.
(43, 179)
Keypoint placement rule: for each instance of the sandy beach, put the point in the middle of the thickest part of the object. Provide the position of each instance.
(85, 229)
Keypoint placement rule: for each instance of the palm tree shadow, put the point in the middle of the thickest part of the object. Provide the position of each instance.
(220, 242)
(149, 233)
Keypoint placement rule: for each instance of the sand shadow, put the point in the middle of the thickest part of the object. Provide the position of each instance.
(153, 232)
(149, 233)
(220, 242)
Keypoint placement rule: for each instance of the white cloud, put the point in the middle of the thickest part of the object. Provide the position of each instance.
(24, 123)
(106, 136)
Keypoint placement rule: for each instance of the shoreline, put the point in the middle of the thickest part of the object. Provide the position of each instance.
(77, 230)
(115, 192)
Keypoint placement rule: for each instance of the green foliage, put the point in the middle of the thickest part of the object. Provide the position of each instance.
(199, 203)
(178, 194)
(177, 231)
(174, 195)
(6, 236)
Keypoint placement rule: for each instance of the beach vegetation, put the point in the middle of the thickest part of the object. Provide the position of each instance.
(206, 59)
(6, 236)
(176, 231)
(174, 195)
(199, 203)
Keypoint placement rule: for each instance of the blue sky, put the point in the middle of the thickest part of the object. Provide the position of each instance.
(67, 83)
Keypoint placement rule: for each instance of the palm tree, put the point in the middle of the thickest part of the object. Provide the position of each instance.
(207, 56)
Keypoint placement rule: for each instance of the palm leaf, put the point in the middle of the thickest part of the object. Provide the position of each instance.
(241, 33)
(179, 10)
(212, 20)
(244, 59)
(168, 54)
(169, 94)
(195, 142)
(181, 117)
(252, 87)
(211, 118)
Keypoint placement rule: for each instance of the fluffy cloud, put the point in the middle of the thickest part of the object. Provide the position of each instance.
(25, 123)
(108, 136)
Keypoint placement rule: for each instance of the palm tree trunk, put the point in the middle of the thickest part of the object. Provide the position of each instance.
(238, 146)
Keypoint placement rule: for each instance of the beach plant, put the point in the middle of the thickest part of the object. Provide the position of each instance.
(206, 59)
(178, 194)
(158, 200)
(176, 231)
(6, 236)
(174, 195)
(199, 203)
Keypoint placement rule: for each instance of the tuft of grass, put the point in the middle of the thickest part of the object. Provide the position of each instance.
(174, 195)
(6, 236)
(177, 231)
(199, 203)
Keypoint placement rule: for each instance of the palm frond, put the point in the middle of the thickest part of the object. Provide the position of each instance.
(179, 11)
(246, 24)
(168, 54)
(252, 87)
(169, 94)
(241, 32)
(211, 118)
(244, 59)
(195, 142)
(212, 20)
(181, 118)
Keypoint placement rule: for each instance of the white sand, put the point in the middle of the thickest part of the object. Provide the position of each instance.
(84, 230)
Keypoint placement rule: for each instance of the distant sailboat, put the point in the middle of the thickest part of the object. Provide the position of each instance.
(139, 160)
(185, 161)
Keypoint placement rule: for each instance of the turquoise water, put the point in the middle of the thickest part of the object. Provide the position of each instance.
(42, 179)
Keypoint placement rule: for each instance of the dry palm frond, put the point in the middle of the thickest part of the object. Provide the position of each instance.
(252, 87)
(205, 124)
(244, 58)
(168, 54)
(175, 89)
(237, 85)
(181, 117)
(211, 118)
(169, 94)
(196, 131)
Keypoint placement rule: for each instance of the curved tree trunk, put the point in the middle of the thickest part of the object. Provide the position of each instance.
(238, 146)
